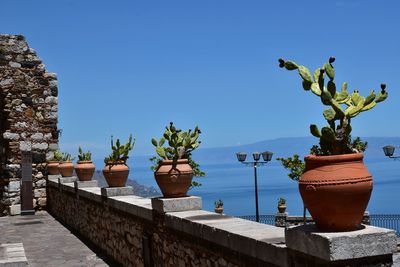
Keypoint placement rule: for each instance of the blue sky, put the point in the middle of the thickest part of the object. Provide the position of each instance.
(134, 66)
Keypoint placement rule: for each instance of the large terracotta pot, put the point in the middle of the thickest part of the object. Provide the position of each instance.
(336, 190)
(66, 168)
(52, 167)
(84, 170)
(174, 177)
(116, 174)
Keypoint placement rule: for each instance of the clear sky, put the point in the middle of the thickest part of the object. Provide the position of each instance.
(134, 66)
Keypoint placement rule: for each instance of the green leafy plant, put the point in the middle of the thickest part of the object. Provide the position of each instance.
(177, 144)
(84, 156)
(67, 157)
(335, 138)
(58, 156)
(295, 166)
(218, 204)
(281, 201)
(119, 152)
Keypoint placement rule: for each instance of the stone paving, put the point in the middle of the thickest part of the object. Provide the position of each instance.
(46, 242)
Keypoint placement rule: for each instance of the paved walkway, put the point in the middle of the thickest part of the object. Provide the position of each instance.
(45, 242)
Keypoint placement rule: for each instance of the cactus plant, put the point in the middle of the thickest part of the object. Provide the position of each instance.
(67, 157)
(180, 146)
(58, 156)
(84, 156)
(335, 138)
(119, 152)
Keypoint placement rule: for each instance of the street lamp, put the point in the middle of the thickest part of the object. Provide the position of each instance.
(389, 151)
(267, 156)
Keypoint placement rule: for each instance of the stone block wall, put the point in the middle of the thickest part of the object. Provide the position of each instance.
(132, 233)
(28, 120)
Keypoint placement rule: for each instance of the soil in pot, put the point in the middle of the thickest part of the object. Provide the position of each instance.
(336, 190)
(116, 175)
(84, 170)
(66, 168)
(174, 177)
(52, 167)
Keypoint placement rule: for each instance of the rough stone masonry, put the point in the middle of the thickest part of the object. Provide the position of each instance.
(28, 120)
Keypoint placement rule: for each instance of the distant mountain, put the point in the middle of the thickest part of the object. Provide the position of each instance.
(281, 147)
(138, 189)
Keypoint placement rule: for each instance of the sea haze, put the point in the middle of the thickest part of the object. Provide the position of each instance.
(233, 182)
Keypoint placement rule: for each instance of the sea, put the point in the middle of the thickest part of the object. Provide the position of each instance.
(233, 183)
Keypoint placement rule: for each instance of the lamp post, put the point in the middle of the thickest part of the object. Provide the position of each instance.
(389, 151)
(267, 156)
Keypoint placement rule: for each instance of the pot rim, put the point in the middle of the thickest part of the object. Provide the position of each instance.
(119, 162)
(172, 162)
(65, 161)
(53, 161)
(84, 161)
(334, 158)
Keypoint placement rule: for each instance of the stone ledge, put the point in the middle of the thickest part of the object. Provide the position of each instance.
(64, 180)
(164, 205)
(135, 205)
(367, 242)
(261, 241)
(116, 191)
(85, 184)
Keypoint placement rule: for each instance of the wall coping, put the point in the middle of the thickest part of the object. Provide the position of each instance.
(261, 241)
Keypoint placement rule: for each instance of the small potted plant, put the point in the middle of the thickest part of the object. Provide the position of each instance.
(116, 171)
(336, 185)
(84, 168)
(281, 205)
(52, 165)
(219, 206)
(66, 168)
(175, 167)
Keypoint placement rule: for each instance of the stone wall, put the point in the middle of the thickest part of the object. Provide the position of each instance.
(136, 231)
(134, 234)
(28, 98)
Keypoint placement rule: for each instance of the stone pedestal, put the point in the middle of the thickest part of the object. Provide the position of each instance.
(369, 245)
(116, 191)
(176, 204)
(85, 184)
(63, 180)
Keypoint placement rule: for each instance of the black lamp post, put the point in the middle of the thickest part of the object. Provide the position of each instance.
(389, 151)
(267, 156)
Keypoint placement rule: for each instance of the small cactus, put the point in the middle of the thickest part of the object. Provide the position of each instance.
(177, 144)
(335, 138)
(67, 157)
(84, 156)
(119, 152)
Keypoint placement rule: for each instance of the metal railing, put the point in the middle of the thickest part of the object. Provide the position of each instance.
(390, 221)
(265, 219)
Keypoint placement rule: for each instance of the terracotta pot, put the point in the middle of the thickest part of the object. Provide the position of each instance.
(52, 167)
(219, 210)
(336, 190)
(66, 168)
(84, 170)
(174, 177)
(282, 208)
(116, 175)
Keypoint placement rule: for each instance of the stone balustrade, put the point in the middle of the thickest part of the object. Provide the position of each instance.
(138, 231)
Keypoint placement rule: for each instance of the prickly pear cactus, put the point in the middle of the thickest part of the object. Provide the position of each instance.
(335, 138)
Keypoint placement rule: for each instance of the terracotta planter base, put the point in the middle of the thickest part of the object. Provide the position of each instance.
(174, 177)
(336, 190)
(84, 170)
(117, 175)
(52, 167)
(66, 168)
